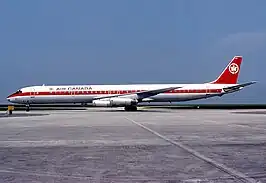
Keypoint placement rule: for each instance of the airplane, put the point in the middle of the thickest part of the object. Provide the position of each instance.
(130, 95)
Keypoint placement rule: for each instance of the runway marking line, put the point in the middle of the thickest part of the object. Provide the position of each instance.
(232, 172)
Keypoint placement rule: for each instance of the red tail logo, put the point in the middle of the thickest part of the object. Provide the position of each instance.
(230, 73)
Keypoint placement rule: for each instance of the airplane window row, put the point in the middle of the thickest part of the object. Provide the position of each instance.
(96, 92)
(133, 91)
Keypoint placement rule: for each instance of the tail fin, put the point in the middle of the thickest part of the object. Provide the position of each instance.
(230, 73)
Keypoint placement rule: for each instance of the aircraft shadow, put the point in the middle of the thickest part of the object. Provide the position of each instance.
(138, 111)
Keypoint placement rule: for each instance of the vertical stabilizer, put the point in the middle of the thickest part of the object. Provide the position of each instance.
(230, 73)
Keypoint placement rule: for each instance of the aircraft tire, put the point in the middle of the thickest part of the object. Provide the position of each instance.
(27, 108)
(131, 108)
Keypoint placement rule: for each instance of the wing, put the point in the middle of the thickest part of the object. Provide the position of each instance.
(149, 93)
(237, 87)
(140, 95)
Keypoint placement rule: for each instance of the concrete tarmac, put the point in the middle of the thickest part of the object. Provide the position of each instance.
(150, 145)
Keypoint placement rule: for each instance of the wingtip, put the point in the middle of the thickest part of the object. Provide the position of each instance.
(253, 82)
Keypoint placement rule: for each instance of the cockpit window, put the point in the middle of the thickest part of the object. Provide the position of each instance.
(17, 92)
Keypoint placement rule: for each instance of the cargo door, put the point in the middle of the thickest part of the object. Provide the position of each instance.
(72, 95)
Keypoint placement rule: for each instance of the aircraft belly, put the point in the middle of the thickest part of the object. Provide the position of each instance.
(60, 99)
(163, 97)
(177, 97)
(83, 98)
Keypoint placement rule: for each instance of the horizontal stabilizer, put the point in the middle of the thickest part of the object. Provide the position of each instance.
(237, 87)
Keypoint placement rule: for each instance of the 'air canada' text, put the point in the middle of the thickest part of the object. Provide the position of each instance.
(75, 88)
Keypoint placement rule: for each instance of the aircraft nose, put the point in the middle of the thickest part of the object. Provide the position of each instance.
(9, 98)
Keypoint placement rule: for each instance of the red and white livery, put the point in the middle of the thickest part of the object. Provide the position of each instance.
(130, 95)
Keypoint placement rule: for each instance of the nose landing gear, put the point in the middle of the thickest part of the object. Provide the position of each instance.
(27, 108)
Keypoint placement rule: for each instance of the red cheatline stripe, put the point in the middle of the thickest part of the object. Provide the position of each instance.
(104, 92)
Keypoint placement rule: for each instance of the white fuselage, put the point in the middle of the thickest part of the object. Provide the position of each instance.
(87, 93)
(130, 95)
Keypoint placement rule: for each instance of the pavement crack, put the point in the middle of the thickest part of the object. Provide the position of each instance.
(240, 176)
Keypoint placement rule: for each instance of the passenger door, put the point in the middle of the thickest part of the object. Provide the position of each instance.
(208, 90)
(32, 93)
(31, 97)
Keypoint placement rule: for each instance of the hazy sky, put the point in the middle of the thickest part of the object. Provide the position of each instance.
(131, 41)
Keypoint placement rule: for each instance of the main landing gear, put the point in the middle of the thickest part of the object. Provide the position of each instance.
(131, 108)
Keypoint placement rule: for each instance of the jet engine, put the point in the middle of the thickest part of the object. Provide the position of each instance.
(114, 102)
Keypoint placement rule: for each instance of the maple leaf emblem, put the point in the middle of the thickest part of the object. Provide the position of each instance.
(233, 68)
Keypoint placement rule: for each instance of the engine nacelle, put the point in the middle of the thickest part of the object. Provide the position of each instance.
(101, 103)
(114, 102)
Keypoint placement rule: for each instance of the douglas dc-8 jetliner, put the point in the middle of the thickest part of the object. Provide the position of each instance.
(130, 95)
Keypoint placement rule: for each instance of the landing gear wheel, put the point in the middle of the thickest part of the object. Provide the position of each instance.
(131, 108)
(27, 108)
